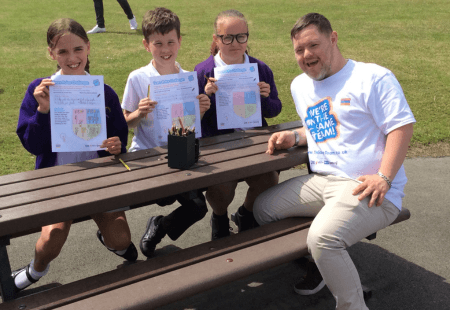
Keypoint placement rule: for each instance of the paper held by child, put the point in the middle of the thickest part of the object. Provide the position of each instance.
(176, 96)
(77, 113)
(238, 101)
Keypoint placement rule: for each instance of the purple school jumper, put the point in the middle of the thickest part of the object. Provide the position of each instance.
(33, 127)
(270, 107)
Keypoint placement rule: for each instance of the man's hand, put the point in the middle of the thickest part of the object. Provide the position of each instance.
(396, 147)
(371, 185)
(112, 145)
(280, 141)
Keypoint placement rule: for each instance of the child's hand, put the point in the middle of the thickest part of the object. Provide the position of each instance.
(211, 87)
(113, 145)
(146, 106)
(204, 103)
(42, 95)
(264, 89)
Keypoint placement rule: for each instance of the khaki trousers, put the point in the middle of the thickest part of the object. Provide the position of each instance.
(340, 221)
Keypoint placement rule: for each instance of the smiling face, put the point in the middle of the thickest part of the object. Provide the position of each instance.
(231, 53)
(71, 52)
(315, 52)
(164, 49)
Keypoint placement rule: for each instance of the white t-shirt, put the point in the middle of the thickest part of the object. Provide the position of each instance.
(135, 90)
(348, 116)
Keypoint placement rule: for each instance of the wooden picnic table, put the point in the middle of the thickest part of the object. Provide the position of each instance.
(30, 200)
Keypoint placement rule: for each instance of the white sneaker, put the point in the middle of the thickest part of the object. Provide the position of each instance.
(96, 29)
(133, 23)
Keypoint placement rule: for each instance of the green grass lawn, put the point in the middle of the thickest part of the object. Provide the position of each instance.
(411, 38)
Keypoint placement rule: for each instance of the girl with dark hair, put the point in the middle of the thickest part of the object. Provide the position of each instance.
(68, 44)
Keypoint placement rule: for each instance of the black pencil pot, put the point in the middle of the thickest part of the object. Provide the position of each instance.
(182, 151)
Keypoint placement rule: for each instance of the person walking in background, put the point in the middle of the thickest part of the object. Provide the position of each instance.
(100, 27)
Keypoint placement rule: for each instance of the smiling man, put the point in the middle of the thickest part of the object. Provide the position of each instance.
(357, 126)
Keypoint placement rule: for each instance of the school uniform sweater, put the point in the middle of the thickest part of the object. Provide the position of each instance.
(33, 127)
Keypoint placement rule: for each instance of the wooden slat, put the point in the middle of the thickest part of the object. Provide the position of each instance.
(157, 272)
(135, 273)
(188, 281)
(105, 161)
(39, 214)
(116, 173)
(250, 132)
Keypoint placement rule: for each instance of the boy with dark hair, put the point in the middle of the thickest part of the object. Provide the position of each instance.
(161, 29)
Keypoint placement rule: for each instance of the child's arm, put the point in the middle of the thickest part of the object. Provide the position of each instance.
(264, 89)
(113, 145)
(204, 104)
(33, 127)
(145, 107)
(271, 105)
(211, 87)
(117, 129)
(42, 95)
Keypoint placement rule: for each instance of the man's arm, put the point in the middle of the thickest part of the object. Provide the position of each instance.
(285, 139)
(397, 143)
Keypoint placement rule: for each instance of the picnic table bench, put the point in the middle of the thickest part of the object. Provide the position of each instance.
(33, 199)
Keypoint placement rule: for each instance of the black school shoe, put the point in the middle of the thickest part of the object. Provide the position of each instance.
(130, 255)
(244, 222)
(311, 283)
(25, 269)
(220, 227)
(153, 235)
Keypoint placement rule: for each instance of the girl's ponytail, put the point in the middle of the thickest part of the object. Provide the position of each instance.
(214, 49)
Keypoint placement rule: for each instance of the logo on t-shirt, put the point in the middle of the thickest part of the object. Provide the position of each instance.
(345, 101)
(321, 121)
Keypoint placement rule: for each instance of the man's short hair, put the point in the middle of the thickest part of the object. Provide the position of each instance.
(160, 20)
(320, 21)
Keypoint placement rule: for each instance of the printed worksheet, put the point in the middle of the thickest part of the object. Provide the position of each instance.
(176, 96)
(77, 113)
(238, 101)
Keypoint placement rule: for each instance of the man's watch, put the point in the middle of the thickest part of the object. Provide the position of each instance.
(297, 137)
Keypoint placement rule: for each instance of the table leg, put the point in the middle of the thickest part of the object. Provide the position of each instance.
(6, 281)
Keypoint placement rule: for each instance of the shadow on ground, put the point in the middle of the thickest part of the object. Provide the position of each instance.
(395, 283)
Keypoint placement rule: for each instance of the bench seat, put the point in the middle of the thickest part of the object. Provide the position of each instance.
(166, 279)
